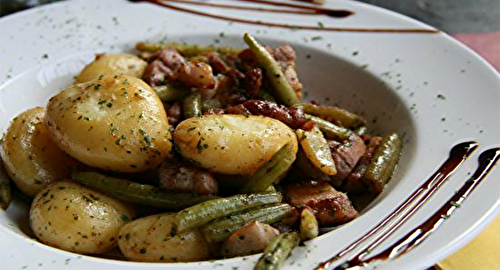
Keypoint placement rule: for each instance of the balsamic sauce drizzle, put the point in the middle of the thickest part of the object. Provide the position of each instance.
(487, 161)
(292, 26)
(458, 154)
(339, 13)
(303, 10)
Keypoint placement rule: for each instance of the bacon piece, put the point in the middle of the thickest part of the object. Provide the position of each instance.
(162, 67)
(354, 183)
(250, 239)
(253, 81)
(346, 155)
(292, 117)
(330, 206)
(175, 176)
(174, 113)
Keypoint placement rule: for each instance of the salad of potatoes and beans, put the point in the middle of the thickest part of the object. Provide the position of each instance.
(187, 153)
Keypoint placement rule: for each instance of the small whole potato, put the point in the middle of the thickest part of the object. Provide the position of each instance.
(232, 144)
(69, 216)
(31, 158)
(112, 64)
(115, 122)
(153, 239)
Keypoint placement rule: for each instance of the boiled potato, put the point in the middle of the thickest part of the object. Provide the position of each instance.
(152, 239)
(112, 64)
(232, 144)
(69, 216)
(115, 122)
(31, 158)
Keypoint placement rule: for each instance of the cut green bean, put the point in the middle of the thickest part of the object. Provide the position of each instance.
(282, 90)
(334, 114)
(133, 192)
(383, 163)
(308, 225)
(307, 169)
(361, 131)
(5, 187)
(202, 213)
(317, 150)
(331, 131)
(186, 49)
(277, 251)
(265, 96)
(191, 106)
(270, 188)
(220, 230)
(272, 171)
(171, 92)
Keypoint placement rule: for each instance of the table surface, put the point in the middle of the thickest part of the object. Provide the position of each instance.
(476, 24)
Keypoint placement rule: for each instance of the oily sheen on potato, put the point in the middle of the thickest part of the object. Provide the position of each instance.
(112, 64)
(232, 144)
(152, 239)
(115, 122)
(69, 216)
(31, 158)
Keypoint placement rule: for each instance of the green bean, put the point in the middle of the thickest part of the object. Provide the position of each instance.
(220, 230)
(331, 131)
(270, 188)
(171, 92)
(271, 172)
(191, 106)
(307, 169)
(334, 114)
(5, 188)
(202, 213)
(282, 89)
(308, 225)
(133, 192)
(383, 163)
(361, 131)
(186, 49)
(277, 251)
(265, 96)
(317, 150)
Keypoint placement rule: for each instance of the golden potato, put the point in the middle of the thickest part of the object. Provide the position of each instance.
(31, 158)
(151, 239)
(69, 216)
(232, 144)
(112, 64)
(114, 123)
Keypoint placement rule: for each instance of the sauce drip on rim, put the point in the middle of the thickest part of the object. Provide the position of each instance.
(487, 161)
(331, 13)
(297, 9)
(458, 154)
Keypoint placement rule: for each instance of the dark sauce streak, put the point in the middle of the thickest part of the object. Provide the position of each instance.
(458, 155)
(290, 26)
(487, 161)
(303, 10)
(338, 13)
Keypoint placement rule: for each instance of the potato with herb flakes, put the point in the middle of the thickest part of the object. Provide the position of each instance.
(115, 122)
(152, 239)
(72, 217)
(232, 144)
(30, 156)
(112, 64)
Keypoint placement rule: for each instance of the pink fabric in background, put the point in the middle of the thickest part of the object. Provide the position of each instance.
(486, 44)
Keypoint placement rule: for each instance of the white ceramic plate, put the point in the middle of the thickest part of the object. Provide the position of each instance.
(427, 86)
